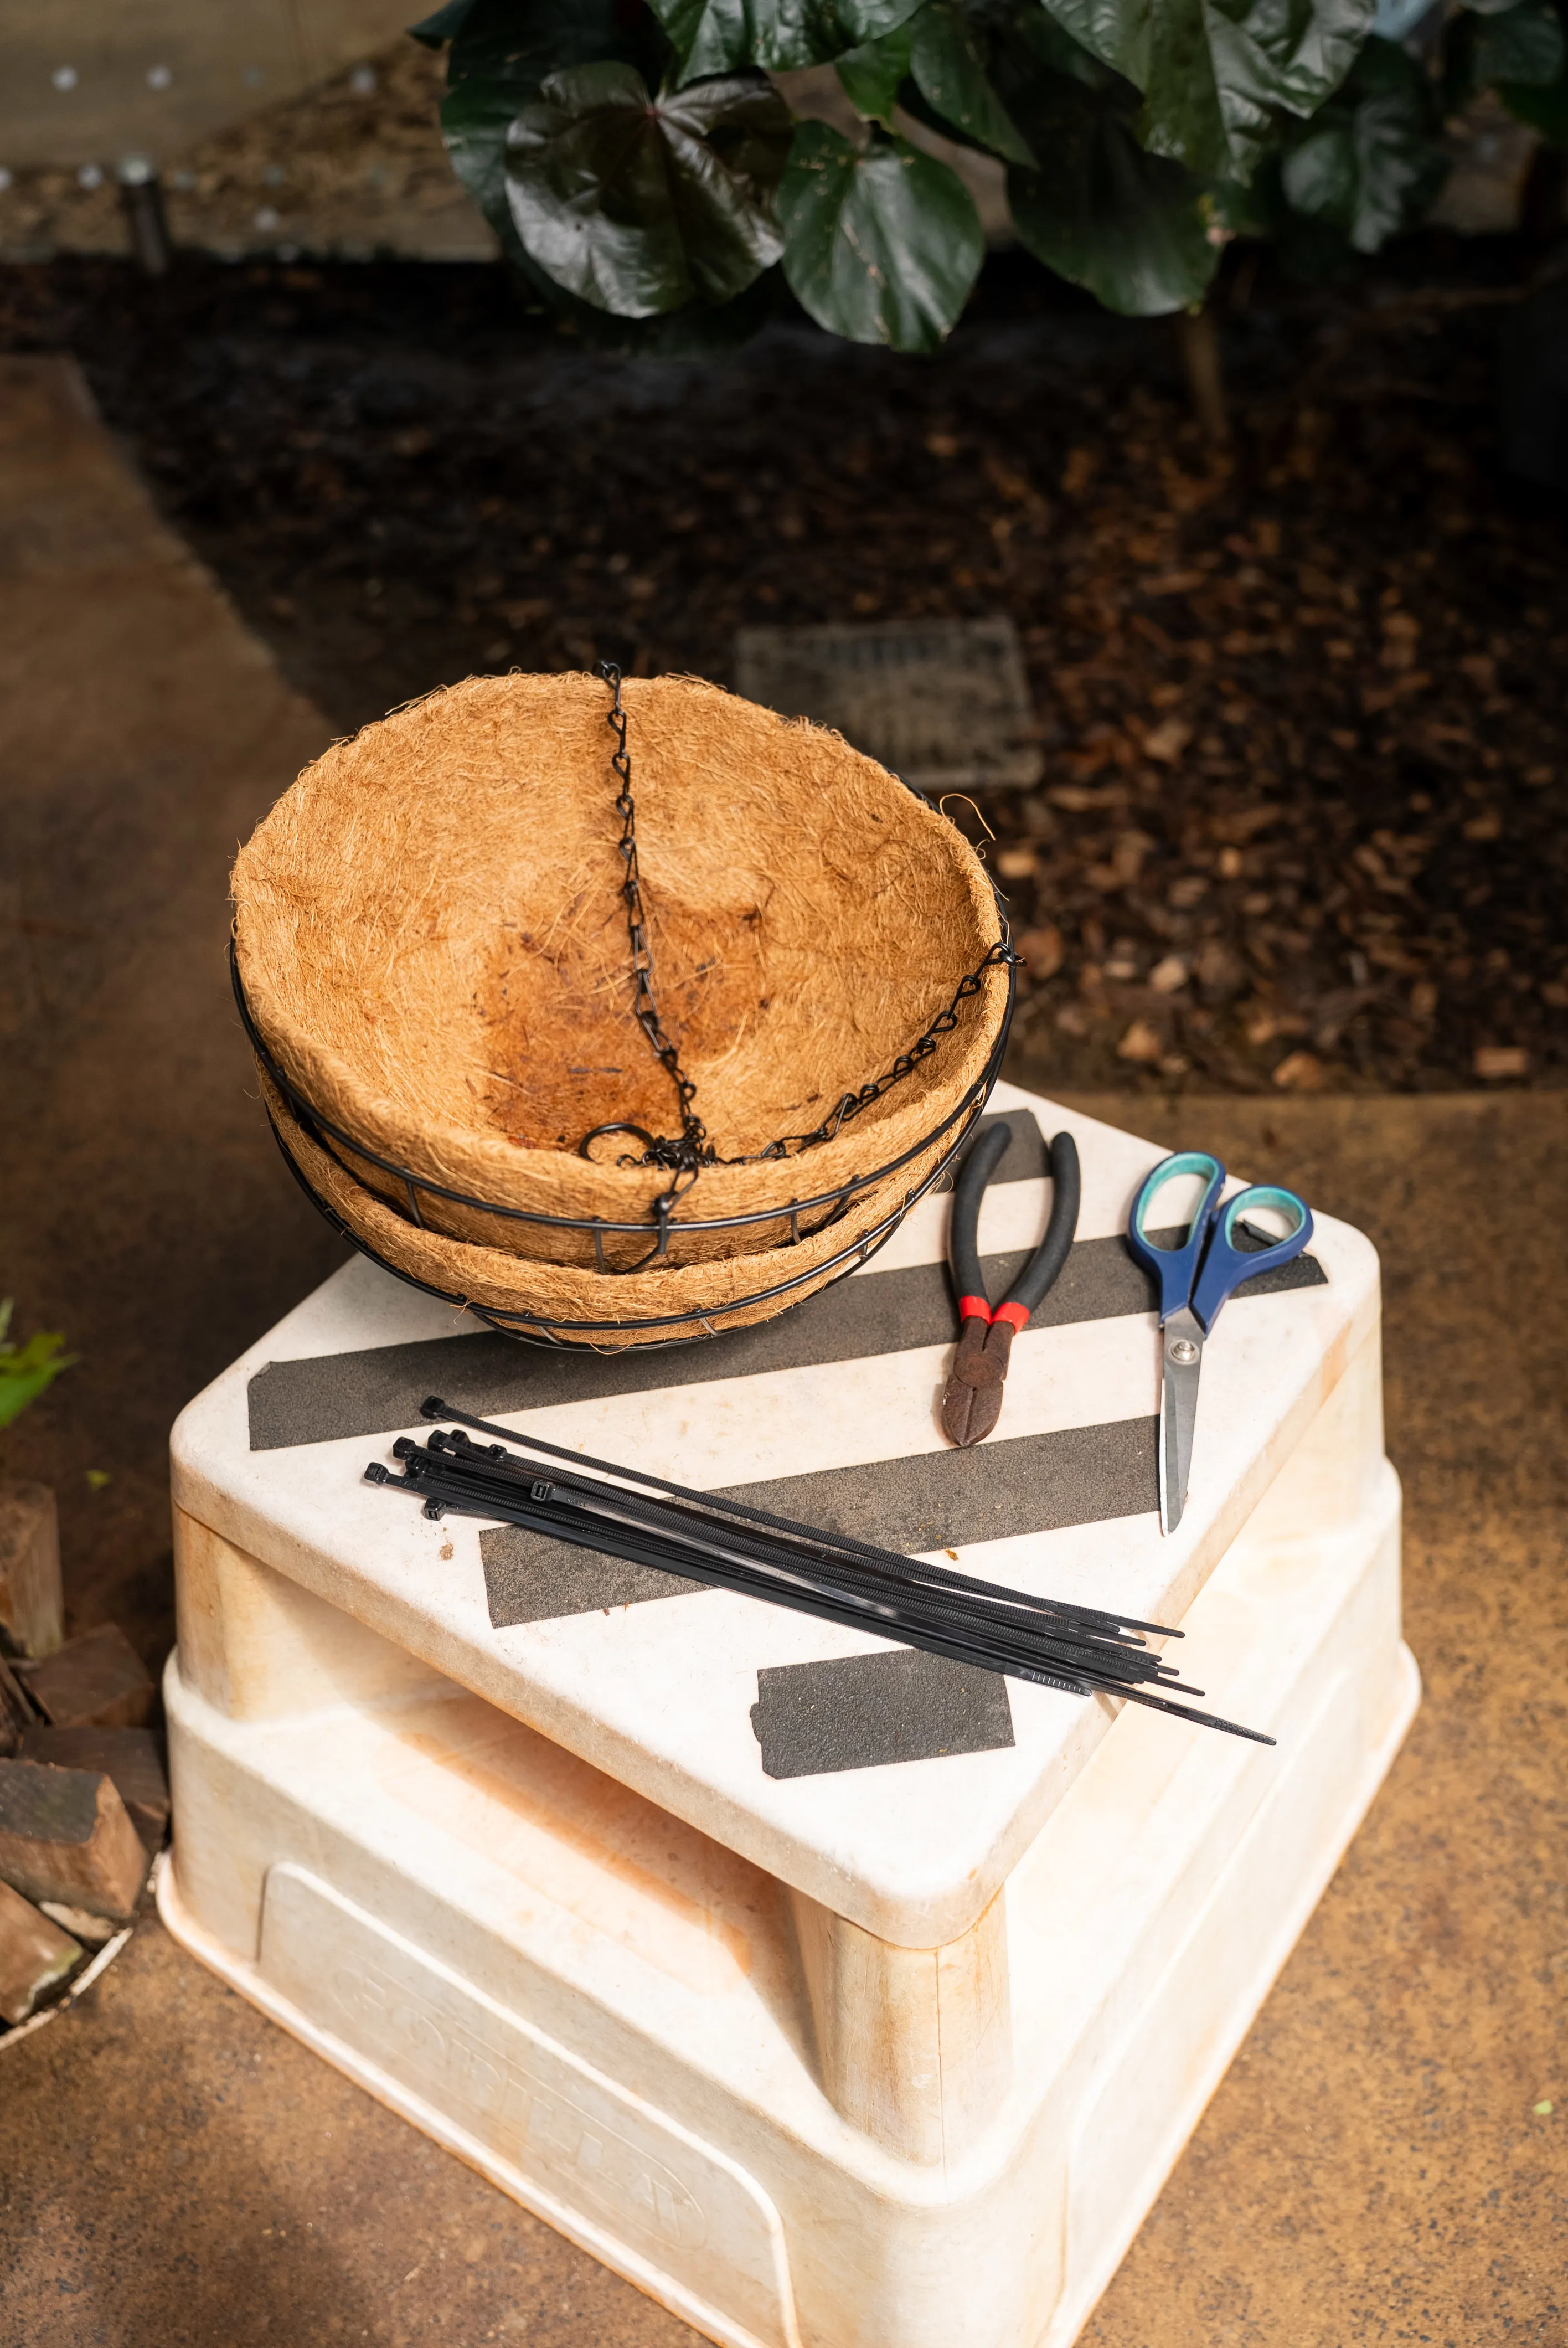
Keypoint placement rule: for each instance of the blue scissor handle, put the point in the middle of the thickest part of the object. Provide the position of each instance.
(1176, 1269)
(1226, 1266)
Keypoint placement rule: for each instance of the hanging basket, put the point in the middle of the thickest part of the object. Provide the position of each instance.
(568, 1304)
(431, 957)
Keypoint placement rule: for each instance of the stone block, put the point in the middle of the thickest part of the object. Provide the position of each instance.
(97, 1681)
(129, 1756)
(65, 1835)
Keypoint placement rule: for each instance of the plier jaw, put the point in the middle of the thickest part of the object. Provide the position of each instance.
(972, 1402)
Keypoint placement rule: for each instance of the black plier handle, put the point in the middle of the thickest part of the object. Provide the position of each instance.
(972, 1403)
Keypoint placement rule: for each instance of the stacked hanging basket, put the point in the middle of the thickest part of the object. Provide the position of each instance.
(432, 958)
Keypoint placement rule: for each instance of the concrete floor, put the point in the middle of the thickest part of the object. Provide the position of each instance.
(174, 2168)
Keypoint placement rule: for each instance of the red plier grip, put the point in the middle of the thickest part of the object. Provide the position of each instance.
(972, 1403)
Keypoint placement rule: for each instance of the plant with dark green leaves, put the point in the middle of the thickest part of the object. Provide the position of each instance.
(1367, 165)
(1522, 53)
(647, 176)
(643, 203)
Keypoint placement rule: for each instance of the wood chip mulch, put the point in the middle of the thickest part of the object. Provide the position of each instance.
(1304, 821)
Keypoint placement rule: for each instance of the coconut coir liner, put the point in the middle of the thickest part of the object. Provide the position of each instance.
(432, 943)
(573, 1303)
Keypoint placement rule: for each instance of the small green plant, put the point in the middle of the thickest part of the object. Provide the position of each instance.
(27, 1370)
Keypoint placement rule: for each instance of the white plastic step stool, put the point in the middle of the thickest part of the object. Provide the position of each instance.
(838, 1996)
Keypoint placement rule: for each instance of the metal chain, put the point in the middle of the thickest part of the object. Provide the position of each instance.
(849, 1105)
(693, 1151)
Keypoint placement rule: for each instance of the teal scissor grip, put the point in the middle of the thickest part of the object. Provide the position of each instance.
(1226, 1265)
(1176, 1269)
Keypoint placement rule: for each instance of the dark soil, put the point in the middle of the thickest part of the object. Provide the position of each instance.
(1304, 702)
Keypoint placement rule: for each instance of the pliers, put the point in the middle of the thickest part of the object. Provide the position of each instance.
(973, 1401)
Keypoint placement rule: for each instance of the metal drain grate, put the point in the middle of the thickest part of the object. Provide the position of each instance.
(942, 703)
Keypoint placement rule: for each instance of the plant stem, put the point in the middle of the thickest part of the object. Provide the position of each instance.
(1206, 379)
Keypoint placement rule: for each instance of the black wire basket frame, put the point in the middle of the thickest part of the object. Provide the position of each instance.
(541, 1329)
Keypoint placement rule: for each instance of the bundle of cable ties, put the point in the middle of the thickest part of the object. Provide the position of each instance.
(712, 1538)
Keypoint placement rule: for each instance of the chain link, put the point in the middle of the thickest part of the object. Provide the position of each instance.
(687, 1154)
(849, 1105)
(693, 1149)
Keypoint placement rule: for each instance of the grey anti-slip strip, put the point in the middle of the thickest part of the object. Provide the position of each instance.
(861, 1711)
(936, 1501)
(855, 1712)
(528, 1578)
(378, 1391)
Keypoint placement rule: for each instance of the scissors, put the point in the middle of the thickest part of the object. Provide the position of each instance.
(1194, 1280)
(973, 1401)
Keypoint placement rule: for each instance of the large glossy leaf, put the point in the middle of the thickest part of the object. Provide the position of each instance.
(1470, 62)
(498, 59)
(1523, 45)
(1369, 163)
(638, 205)
(882, 243)
(950, 59)
(871, 76)
(949, 88)
(713, 36)
(1520, 52)
(1130, 226)
(1213, 72)
(475, 118)
(699, 330)
(501, 52)
(1018, 43)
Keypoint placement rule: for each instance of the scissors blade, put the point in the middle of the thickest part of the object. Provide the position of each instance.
(1181, 1364)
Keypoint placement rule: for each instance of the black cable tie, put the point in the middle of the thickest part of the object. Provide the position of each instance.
(729, 1546)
